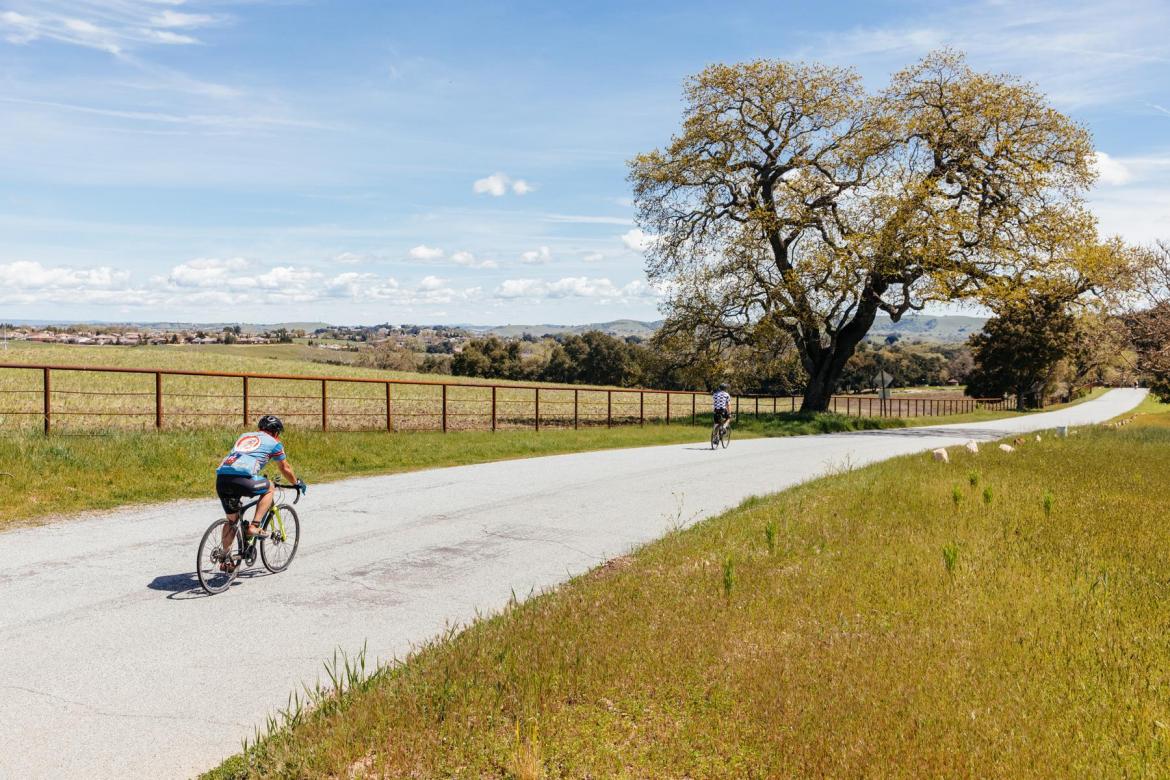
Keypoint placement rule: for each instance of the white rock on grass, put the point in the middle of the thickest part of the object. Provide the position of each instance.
(941, 454)
(1007, 448)
(1038, 437)
(972, 446)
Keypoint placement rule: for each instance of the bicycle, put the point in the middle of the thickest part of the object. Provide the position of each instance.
(276, 550)
(721, 435)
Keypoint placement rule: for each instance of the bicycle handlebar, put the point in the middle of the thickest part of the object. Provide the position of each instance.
(297, 488)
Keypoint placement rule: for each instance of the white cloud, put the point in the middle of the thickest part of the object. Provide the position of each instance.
(170, 18)
(498, 184)
(432, 283)
(424, 252)
(539, 256)
(637, 240)
(25, 281)
(114, 26)
(468, 260)
(593, 257)
(495, 185)
(350, 258)
(574, 287)
(1110, 170)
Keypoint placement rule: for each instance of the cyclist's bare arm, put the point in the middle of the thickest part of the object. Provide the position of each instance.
(287, 471)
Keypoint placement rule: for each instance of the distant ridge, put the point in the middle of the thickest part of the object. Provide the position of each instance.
(943, 329)
(619, 328)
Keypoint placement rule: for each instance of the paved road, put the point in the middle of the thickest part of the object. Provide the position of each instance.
(114, 667)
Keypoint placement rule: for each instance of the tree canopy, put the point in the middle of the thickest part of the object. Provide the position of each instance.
(793, 204)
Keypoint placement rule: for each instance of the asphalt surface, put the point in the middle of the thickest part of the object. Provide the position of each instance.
(114, 664)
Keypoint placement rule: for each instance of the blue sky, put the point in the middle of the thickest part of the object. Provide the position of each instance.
(359, 161)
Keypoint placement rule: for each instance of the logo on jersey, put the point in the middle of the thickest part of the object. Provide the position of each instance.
(248, 444)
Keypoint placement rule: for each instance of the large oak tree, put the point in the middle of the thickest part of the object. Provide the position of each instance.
(794, 205)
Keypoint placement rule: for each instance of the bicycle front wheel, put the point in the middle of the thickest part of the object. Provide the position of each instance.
(277, 550)
(210, 560)
(725, 436)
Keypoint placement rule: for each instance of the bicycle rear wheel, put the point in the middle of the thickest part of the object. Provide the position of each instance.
(211, 556)
(277, 550)
(715, 436)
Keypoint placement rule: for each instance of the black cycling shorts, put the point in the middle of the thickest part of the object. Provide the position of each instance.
(722, 415)
(232, 487)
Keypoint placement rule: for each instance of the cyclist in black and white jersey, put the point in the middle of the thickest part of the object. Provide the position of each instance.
(721, 401)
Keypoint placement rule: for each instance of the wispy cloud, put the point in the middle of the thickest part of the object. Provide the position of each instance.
(114, 26)
(585, 219)
(1082, 52)
(574, 287)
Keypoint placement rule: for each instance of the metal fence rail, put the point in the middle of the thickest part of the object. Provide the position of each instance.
(89, 398)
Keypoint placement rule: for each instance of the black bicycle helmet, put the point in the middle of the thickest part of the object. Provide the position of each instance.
(270, 423)
(723, 387)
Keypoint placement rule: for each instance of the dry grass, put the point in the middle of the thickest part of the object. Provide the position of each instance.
(84, 401)
(887, 630)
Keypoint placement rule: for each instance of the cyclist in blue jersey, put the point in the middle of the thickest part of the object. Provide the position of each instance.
(721, 402)
(239, 475)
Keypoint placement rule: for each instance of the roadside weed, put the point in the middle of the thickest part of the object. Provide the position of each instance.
(950, 556)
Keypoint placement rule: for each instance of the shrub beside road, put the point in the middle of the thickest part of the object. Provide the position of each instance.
(1002, 614)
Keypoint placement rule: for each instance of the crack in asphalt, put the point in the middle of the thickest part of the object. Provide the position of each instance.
(512, 538)
(129, 715)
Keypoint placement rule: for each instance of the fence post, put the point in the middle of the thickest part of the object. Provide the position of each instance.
(576, 412)
(757, 407)
(158, 406)
(694, 417)
(773, 405)
(793, 403)
(737, 407)
(668, 408)
(324, 406)
(389, 422)
(641, 407)
(538, 408)
(444, 408)
(609, 408)
(493, 407)
(48, 390)
(247, 411)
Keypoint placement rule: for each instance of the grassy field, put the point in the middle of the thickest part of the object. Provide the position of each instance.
(57, 475)
(1002, 615)
(84, 401)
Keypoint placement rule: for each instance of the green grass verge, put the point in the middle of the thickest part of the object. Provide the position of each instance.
(57, 475)
(1001, 615)
(984, 415)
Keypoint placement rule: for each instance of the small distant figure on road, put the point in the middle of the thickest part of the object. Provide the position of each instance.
(721, 430)
(238, 475)
(721, 401)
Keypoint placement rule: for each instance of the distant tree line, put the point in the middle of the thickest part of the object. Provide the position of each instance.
(669, 362)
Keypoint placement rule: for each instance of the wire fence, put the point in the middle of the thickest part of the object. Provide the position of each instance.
(91, 399)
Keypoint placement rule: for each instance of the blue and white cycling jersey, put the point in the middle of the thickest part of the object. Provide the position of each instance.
(722, 399)
(251, 454)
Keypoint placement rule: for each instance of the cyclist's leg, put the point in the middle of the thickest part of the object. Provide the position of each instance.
(231, 508)
(262, 509)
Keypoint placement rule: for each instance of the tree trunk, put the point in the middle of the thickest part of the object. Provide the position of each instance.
(825, 364)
